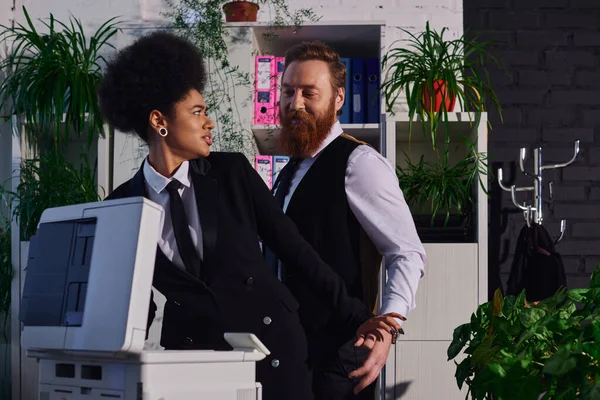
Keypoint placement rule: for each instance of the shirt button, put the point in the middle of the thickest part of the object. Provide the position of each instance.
(275, 363)
(267, 321)
(188, 340)
(250, 281)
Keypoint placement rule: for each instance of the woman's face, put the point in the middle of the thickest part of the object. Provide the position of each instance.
(189, 127)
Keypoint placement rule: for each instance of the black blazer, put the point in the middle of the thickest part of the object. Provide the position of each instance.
(238, 292)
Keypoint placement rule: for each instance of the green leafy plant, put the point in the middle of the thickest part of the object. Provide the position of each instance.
(51, 181)
(202, 21)
(447, 188)
(517, 350)
(51, 82)
(52, 77)
(427, 58)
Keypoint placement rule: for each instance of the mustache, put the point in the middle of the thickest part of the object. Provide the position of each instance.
(299, 114)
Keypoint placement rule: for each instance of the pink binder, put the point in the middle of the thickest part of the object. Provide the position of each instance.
(264, 100)
(279, 67)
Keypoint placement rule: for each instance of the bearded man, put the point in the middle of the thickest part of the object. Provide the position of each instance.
(345, 200)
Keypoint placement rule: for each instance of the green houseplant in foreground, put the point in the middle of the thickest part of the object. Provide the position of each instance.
(520, 351)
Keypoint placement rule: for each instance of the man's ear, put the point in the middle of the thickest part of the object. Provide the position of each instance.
(339, 98)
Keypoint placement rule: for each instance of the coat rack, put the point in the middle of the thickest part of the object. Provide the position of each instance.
(533, 213)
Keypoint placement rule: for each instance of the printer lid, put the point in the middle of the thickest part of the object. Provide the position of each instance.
(89, 277)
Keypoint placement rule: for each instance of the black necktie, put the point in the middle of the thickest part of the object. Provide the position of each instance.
(187, 250)
(282, 187)
(284, 180)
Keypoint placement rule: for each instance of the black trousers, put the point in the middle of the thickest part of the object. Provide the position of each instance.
(330, 374)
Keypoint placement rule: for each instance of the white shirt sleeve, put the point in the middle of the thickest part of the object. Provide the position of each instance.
(376, 200)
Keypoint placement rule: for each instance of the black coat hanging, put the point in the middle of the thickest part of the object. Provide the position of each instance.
(537, 267)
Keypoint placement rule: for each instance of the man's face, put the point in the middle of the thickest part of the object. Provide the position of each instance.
(308, 107)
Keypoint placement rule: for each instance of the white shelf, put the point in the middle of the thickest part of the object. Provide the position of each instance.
(452, 116)
(349, 38)
(343, 24)
(267, 136)
(460, 124)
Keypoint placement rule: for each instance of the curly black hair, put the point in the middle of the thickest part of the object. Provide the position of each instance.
(154, 73)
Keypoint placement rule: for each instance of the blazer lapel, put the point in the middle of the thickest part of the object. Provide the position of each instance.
(205, 189)
(137, 187)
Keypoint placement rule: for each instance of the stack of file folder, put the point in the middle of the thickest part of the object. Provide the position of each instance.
(362, 103)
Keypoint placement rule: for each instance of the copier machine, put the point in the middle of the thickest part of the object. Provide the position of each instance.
(85, 306)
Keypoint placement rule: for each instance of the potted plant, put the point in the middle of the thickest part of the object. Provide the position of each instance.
(435, 73)
(51, 84)
(528, 351)
(51, 77)
(446, 189)
(50, 181)
(240, 11)
(247, 11)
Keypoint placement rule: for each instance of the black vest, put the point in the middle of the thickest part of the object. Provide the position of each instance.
(319, 207)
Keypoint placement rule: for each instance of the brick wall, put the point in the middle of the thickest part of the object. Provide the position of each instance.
(551, 49)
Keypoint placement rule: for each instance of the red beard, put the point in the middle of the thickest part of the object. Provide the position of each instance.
(304, 137)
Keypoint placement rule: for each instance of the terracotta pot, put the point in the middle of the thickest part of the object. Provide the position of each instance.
(440, 95)
(240, 11)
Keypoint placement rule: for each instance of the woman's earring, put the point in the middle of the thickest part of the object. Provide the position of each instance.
(163, 132)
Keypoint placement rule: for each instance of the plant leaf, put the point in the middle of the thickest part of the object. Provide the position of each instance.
(530, 316)
(498, 302)
(463, 371)
(459, 339)
(595, 278)
(576, 294)
(497, 369)
(560, 363)
(484, 352)
(591, 392)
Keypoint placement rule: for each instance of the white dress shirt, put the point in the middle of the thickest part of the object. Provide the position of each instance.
(156, 185)
(375, 198)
